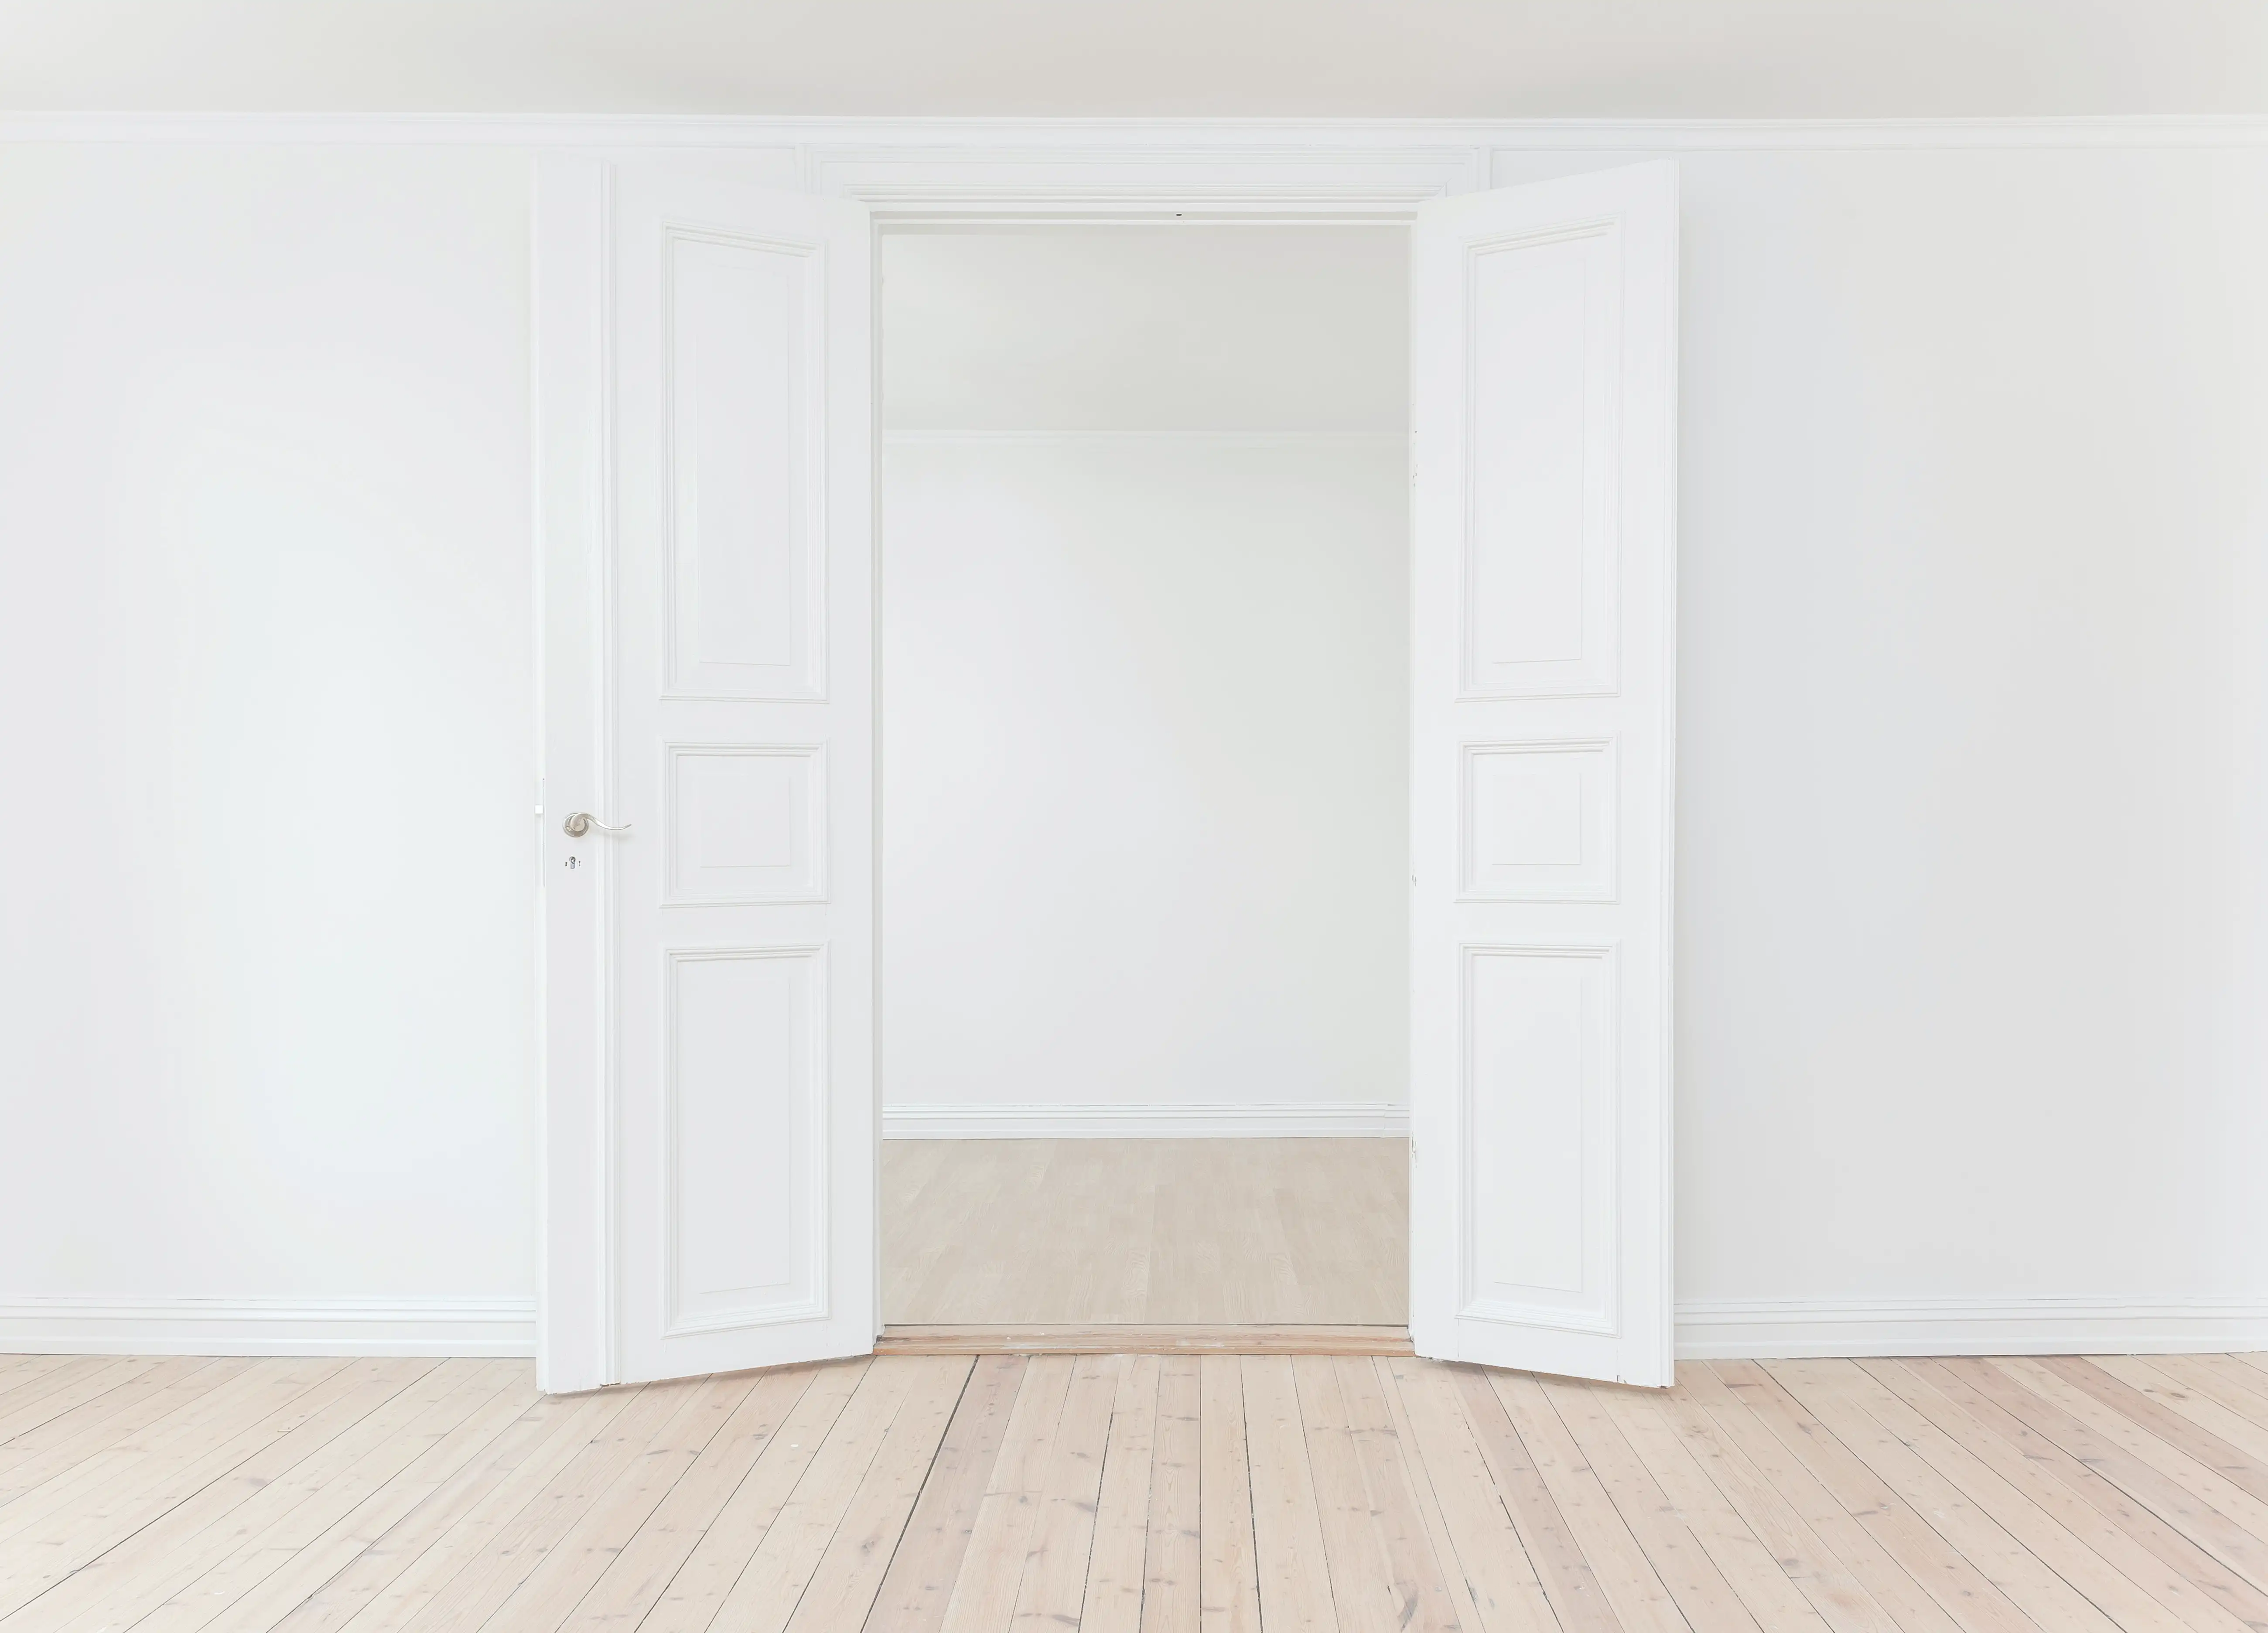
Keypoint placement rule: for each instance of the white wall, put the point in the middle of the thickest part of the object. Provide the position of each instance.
(1144, 658)
(1112, 329)
(1145, 795)
(1974, 755)
(266, 911)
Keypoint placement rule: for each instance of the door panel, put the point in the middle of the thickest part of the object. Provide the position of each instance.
(1545, 395)
(731, 599)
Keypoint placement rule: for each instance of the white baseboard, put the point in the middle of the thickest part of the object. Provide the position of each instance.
(1795, 1329)
(1731, 1330)
(1282, 1120)
(439, 1327)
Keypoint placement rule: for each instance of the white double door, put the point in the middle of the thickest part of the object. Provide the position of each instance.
(706, 452)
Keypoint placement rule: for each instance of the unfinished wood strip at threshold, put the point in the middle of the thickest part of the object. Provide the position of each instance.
(1301, 1339)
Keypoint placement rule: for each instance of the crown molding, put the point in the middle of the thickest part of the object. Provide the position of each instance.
(1186, 137)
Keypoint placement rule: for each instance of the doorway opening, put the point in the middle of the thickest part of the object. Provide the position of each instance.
(1142, 859)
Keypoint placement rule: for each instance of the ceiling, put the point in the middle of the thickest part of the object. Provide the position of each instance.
(1212, 58)
(1085, 329)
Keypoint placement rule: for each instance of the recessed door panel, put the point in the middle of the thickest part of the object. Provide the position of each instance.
(747, 456)
(1537, 821)
(747, 822)
(1540, 562)
(1537, 1093)
(746, 1091)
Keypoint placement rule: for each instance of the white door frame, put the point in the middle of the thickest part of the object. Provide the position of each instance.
(1074, 179)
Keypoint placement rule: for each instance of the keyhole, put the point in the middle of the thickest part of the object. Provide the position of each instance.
(573, 863)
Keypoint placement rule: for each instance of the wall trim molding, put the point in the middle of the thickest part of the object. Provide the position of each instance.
(1707, 1329)
(1282, 1120)
(1800, 1328)
(500, 1328)
(818, 140)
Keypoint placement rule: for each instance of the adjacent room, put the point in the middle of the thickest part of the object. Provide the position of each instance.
(1145, 791)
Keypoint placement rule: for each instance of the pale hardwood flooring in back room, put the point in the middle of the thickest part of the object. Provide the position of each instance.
(1136, 1494)
(1155, 1232)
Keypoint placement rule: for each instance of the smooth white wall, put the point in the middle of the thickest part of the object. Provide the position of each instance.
(1145, 732)
(1974, 758)
(265, 712)
(1144, 659)
(1117, 329)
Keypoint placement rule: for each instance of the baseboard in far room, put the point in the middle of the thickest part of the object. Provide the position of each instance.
(1265, 1121)
(1794, 1330)
(482, 1328)
(1259, 1338)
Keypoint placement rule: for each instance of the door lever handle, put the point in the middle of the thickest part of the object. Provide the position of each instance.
(581, 822)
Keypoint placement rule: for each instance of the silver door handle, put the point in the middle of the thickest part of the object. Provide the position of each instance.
(581, 822)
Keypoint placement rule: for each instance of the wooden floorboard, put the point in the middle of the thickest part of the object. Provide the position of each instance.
(1145, 1232)
(1173, 1570)
(1191, 1490)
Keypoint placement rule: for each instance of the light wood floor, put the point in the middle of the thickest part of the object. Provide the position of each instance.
(1145, 1231)
(1142, 1494)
